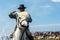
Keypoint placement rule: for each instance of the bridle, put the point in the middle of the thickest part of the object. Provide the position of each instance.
(20, 21)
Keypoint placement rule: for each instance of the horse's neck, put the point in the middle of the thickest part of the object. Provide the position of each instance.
(17, 31)
(18, 34)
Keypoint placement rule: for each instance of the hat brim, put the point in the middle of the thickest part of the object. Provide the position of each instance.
(21, 8)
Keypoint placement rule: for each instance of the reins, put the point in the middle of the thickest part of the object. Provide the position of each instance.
(23, 33)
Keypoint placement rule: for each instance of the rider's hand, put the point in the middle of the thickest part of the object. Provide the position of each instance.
(13, 12)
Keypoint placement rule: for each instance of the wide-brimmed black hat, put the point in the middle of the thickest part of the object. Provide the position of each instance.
(21, 6)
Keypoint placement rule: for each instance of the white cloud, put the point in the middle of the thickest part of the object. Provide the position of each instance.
(56, 0)
(31, 1)
(46, 9)
(46, 25)
(45, 6)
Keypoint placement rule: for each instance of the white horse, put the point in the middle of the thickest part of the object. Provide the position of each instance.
(20, 33)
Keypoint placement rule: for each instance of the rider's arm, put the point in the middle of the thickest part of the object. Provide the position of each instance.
(30, 19)
(12, 15)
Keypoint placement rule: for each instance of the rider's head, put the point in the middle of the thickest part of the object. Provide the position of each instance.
(22, 8)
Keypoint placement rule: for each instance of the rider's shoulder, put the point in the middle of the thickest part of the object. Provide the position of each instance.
(25, 12)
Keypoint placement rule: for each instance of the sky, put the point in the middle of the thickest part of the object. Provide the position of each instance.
(45, 15)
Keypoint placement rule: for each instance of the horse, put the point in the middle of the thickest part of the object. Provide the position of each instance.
(20, 33)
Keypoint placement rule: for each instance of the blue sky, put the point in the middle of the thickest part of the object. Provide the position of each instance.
(45, 15)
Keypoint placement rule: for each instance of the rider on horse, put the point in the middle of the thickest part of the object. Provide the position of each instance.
(23, 15)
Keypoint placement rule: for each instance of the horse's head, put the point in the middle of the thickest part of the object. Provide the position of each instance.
(22, 23)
